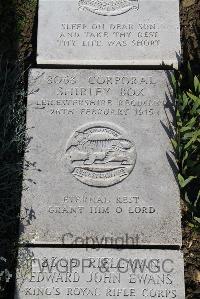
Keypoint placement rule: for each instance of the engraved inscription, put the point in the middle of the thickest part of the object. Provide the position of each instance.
(110, 35)
(99, 273)
(100, 155)
(108, 7)
(93, 96)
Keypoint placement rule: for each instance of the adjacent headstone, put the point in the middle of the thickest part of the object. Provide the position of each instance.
(103, 273)
(104, 32)
(99, 164)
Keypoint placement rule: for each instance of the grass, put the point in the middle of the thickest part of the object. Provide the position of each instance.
(16, 30)
(12, 141)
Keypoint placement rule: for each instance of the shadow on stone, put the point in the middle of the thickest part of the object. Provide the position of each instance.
(170, 128)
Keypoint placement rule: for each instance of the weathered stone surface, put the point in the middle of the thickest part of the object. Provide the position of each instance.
(97, 166)
(125, 32)
(99, 273)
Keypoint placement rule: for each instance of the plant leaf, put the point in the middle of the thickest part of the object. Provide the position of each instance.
(184, 182)
(196, 84)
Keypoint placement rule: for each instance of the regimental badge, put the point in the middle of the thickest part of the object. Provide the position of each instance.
(100, 154)
(108, 7)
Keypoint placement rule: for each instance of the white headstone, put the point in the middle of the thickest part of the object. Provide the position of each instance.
(104, 32)
(97, 166)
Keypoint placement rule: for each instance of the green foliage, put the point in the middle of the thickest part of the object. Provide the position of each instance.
(186, 142)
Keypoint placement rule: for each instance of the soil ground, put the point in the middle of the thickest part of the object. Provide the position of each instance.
(190, 31)
(18, 26)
